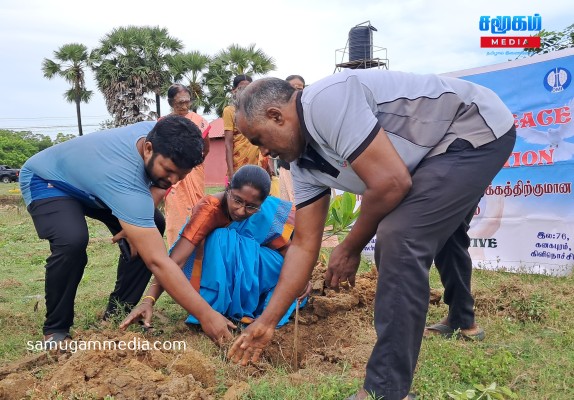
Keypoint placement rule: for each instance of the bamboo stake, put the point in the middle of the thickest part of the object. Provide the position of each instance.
(296, 339)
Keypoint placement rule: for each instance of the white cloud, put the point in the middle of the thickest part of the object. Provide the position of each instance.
(302, 37)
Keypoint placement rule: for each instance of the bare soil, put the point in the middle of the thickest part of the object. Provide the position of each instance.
(333, 332)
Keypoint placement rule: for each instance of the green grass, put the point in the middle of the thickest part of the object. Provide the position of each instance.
(280, 385)
(10, 189)
(529, 320)
(530, 339)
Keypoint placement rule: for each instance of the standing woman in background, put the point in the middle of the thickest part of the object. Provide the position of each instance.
(296, 81)
(181, 197)
(285, 182)
(238, 150)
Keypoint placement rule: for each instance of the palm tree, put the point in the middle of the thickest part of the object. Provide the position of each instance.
(192, 67)
(158, 51)
(71, 61)
(218, 80)
(247, 60)
(131, 62)
(552, 41)
(235, 60)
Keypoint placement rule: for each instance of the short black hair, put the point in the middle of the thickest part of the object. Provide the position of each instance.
(291, 77)
(240, 78)
(254, 176)
(177, 138)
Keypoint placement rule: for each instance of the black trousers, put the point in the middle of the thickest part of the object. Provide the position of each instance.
(61, 220)
(431, 223)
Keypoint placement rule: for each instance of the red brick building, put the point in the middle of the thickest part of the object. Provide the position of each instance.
(215, 166)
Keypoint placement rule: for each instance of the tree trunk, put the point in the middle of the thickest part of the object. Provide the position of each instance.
(79, 114)
(157, 106)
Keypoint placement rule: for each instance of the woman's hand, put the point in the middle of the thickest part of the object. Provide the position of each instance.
(143, 312)
(251, 343)
(216, 327)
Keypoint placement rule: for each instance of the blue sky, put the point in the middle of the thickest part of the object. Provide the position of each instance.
(302, 37)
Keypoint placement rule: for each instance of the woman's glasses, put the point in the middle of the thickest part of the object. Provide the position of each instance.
(239, 202)
(182, 102)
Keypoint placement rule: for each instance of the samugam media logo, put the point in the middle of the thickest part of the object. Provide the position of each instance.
(500, 25)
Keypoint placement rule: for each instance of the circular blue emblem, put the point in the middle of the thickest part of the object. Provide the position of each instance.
(557, 79)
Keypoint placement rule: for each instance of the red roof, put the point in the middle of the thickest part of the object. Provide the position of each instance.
(216, 130)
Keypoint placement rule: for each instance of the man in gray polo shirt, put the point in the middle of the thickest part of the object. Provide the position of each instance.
(421, 149)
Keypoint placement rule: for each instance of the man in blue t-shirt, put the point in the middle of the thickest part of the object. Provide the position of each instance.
(421, 149)
(116, 176)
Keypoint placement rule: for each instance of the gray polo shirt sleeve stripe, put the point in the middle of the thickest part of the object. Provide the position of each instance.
(340, 116)
(365, 144)
(326, 192)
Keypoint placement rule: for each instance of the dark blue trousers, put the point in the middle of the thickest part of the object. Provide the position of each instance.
(62, 221)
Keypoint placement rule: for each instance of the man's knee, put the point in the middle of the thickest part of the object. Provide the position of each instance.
(72, 244)
(391, 234)
(399, 246)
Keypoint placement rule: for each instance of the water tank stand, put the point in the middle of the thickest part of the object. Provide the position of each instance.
(363, 64)
(377, 57)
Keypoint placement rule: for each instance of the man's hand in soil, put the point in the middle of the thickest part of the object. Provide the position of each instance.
(342, 268)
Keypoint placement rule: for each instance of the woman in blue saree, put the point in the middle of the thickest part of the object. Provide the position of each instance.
(232, 249)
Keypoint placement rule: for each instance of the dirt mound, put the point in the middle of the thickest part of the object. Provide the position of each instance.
(334, 329)
(122, 373)
(519, 302)
(332, 333)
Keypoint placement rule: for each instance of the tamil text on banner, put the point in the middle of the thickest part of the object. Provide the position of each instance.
(525, 220)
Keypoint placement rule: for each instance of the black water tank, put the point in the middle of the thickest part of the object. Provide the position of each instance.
(361, 42)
